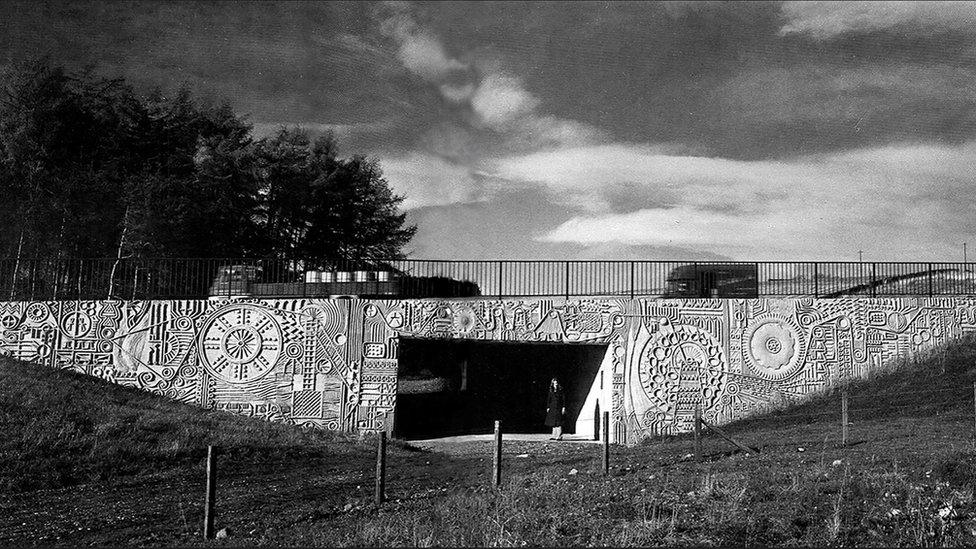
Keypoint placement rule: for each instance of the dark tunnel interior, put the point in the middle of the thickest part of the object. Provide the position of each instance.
(452, 387)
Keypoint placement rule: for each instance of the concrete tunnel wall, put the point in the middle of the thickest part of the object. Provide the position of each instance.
(333, 363)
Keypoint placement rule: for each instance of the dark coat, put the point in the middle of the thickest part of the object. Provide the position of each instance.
(555, 405)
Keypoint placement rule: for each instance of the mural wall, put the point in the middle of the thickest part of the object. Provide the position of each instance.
(333, 363)
(734, 357)
(326, 363)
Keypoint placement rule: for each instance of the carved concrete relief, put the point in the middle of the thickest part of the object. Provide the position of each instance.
(330, 364)
(736, 357)
(333, 364)
(596, 320)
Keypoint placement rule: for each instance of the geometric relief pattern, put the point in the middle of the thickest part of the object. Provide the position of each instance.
(333, 363)
(592, 320)
(682, 367)
(282, 360)
(759, 352)
(240, 343)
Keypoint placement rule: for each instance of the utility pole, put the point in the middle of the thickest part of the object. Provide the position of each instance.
(964, 258)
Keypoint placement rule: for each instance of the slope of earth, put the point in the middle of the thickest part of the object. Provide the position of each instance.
(87, 462)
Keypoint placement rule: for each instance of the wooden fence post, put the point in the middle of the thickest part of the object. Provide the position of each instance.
(698, 444)
(497, 461)
(381, 468)
(843, 416)
(596, 421)
(606, 443)
(211, 497)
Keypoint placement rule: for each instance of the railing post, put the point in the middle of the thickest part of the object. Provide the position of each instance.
(501, 265)
(33, 277)
(632, 284)
(81, 267)
(929, 268)
(874, 279)
(816, 280)
(566, 268)
(60, 266)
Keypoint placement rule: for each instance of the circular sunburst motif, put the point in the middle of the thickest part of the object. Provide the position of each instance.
(37, 312)
(774, 349)
(465, 319)
(240, 343)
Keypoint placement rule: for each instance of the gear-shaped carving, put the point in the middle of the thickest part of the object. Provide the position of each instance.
(240, 343)
(775, 347)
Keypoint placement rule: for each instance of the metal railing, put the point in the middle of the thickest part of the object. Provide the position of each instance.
(103, 278)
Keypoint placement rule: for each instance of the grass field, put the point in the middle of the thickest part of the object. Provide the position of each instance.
(88, 462)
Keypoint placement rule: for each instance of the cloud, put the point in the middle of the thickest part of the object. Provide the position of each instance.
(776, 111)
(549, 132)
(427, 180)
(501, 228)
(676, 226)
(498, 101)
(826, 20)
(425, 56)
(501, 99)
(588, 177)
(907, 202)
(457, 93)
(420, 52)
(502, 103)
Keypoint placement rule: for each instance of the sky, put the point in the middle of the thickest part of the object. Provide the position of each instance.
(591, 130)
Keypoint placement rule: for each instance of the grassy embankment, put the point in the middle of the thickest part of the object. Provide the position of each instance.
(82, 461)
(61, 428)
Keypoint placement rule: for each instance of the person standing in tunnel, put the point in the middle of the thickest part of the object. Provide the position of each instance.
(555, 409)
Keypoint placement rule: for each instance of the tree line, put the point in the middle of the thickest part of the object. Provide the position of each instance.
(91, 168)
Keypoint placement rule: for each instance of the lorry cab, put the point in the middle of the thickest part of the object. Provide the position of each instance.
(713, 280)
(234, 281)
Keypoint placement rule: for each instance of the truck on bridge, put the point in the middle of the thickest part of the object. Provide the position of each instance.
(713, 280)
(250, 281)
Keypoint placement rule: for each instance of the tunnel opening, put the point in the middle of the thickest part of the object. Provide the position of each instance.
(451, 387)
